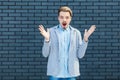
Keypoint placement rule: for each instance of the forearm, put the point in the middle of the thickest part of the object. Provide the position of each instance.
(46, 48)
(82, 49)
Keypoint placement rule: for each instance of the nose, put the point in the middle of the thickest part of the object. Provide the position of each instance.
(64, 19)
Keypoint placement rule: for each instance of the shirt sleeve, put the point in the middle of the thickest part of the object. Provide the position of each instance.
(46, 48)
(82, 46)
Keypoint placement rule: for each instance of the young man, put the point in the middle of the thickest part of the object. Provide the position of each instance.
(63, 45)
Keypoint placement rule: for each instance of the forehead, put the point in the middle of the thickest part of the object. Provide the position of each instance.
(62, 13)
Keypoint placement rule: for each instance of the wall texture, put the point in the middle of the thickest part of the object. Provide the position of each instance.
(21, 43)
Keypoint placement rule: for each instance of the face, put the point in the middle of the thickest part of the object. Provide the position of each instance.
(64, 19)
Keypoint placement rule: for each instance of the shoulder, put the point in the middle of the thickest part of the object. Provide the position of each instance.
(75, 30)
(53, 28)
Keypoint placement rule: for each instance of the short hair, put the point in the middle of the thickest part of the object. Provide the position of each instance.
(65, 9)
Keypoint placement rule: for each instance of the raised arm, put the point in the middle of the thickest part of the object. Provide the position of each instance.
(82, 47)
(44, 33)
(46, 45)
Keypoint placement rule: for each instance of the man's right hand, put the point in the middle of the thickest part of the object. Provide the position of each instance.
(44, 33)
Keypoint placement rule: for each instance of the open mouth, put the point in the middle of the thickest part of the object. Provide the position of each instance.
(64, 24)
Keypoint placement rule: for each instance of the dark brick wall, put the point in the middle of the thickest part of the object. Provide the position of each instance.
(21, 43)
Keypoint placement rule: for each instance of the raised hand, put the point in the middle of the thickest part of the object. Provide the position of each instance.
(44, 33)
(89, 32)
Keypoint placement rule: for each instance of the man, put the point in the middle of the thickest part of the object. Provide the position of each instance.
(63, 45)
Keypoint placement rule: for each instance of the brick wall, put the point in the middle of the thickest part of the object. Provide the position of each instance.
(21, 43)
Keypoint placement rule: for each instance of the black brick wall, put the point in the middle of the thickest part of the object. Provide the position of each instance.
(21, 43)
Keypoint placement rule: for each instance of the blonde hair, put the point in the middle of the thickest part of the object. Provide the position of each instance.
(65, 9)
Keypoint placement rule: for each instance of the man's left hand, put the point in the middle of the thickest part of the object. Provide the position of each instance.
(89, 32)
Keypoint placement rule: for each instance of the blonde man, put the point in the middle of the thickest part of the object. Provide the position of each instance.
(63, 45)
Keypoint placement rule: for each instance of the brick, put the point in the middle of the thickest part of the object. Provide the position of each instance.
(99, 3)
(111, 11)
(21, 11)
(8, 26)
(8, 18)
(105, 14)
(22, 40)
(32, 3)
(14, 44)
(3, 22)
(112, 3)
(8, 11)
(9, 3)
(28, 7)
(9, 78)
(14, 14)
(14, 37)
(21, 48)
(4, 74)
(22, 78)
(86, 4)
(99, 11)
(3, 60)
(105, 7)
(21, 3)
(99, 18)
(86, 11)
(7, 33)
(15, 7)
(15, 29)
(34, 78)
(21, 33)
(4, 7)
(40, 7)
(27, 22)
(22, 70)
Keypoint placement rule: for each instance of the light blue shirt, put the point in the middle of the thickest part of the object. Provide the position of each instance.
(64, 50)
(52, 49)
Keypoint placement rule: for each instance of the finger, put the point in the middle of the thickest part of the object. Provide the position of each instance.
(92, 29)
(39, 29)
(85, 30)
(42, 28)
(40, 25)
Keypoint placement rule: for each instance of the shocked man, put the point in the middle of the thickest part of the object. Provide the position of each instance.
(63, 45)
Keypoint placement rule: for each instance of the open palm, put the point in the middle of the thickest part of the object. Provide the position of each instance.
(89, 32)
(45, 34)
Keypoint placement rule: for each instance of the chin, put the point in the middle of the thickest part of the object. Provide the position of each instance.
(64, 26)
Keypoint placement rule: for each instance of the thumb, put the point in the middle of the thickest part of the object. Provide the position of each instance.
(85, 31)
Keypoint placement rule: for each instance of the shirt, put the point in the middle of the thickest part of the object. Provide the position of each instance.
(51, 50)
(63, 52)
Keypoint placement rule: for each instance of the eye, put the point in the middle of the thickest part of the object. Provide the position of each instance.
(67, 17)
(61, 17)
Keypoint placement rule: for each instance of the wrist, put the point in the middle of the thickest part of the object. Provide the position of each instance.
(46, 40)
(85, 39)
